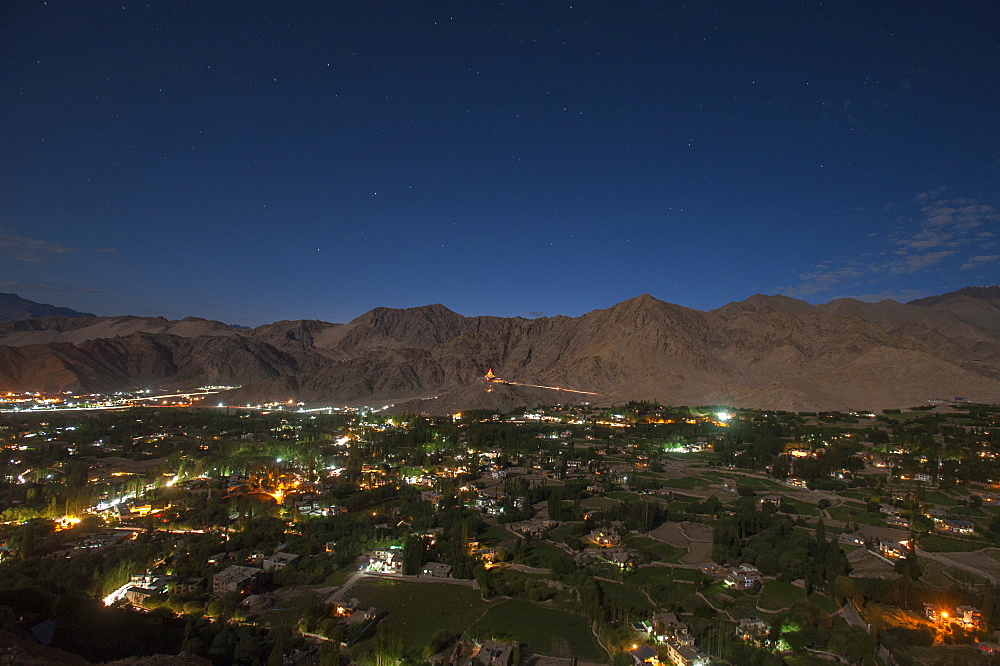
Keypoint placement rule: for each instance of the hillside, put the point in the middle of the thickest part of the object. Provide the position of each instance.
(767, 351)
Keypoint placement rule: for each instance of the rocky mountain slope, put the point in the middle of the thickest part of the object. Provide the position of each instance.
(766, 351)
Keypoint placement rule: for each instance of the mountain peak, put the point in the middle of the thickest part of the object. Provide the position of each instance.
(420, 326)
(767, 303)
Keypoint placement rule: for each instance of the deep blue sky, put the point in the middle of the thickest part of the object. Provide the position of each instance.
(259, 161)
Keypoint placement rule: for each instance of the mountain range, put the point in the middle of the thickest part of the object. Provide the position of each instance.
(15, 308)
(771, 352)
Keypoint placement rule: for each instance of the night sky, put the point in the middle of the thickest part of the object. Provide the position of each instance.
(251, 162)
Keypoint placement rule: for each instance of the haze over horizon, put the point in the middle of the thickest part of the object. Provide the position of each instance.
(316, 161)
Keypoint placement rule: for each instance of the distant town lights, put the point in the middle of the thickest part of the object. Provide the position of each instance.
(723, 416)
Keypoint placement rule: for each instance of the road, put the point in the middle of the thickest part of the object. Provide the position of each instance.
(852, 615)
(346, 587)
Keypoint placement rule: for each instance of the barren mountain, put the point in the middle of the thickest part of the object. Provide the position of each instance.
(766, 351)
(81, 329)
(15, 308)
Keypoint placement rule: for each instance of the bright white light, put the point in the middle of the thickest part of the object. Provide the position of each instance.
(723, 416)
(117, 595)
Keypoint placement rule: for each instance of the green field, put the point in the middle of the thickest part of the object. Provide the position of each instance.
(760, 484)
(651, 575)
(623, 495)
(934, 574)
(494, 534)
(655, 550)
(540, 554)
(289, 612)
(776, 595)
(861, 495)
(855, 513)
(418, 610)
(546, 631)
(824, 602)
(561, 532)
(686, 483)
(663, 585)
(938, 497)
(625, 597)
(803, 508)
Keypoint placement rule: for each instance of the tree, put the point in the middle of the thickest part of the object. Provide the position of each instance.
(329, 655)
(555, 503)
(388, 648)
(413, 554)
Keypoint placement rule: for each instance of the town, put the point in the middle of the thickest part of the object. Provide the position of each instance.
(629, 534)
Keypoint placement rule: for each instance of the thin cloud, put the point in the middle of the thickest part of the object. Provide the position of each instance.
(915, 263)
(824, 276)
(36, 250)
(980, 260)
(930, 194)
(940, 230)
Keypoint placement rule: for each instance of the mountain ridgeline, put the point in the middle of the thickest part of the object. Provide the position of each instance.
(15, 308)
(770, 352)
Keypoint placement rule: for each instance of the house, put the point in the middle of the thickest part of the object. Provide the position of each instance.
(534, 529)
(666, 627)
(235, 578)
(752, 629)
(897, 521)
(188, 585)
(934, 613)
(386, 561)
(623, 559)
(278, 560)
(744, 577)
(431, 496)
(495, 653)
(436, 570)
(487, 555)
(969, 617)
(892, 549)
(144, 586)
(955, 526)
(714, 570)
(686, 655)
(606, 538)
(643, 655)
